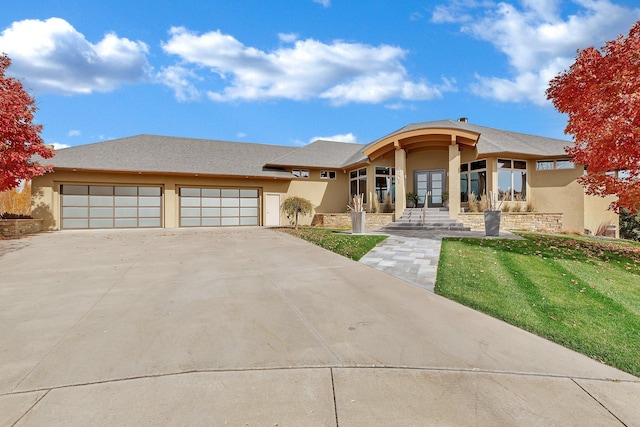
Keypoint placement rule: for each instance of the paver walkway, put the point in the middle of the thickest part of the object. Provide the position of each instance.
(412, 255)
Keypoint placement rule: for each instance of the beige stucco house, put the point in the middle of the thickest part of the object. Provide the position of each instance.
(159, 181)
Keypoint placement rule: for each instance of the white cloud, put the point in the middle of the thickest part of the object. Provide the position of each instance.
(287, 37)
(343, 137)
(74, 132)
(241, 135)
(51, 56)
(339, 72)
(177, 78)
(325, 3)
(537, 39)
(58, 146)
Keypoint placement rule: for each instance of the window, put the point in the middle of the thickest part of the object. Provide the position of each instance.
(548, 165)
(327, 174)
(301, 173)
(385, 184)
(512, 180)
(358, 183)
(473, 179)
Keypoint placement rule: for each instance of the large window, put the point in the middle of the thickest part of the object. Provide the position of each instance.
(358, 183)
(385, 184)
(473, 179)
(512, 180)
(549, 165)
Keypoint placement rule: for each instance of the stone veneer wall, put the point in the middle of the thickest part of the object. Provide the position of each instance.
(18, 227)
(343, 220)
(516, 221)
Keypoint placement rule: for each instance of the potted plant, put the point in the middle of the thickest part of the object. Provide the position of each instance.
(492, 216)
(445, 199)
(412, 200)
(358, 215)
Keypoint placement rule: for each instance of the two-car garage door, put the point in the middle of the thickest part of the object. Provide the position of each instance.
(212, 207)
(108, 206)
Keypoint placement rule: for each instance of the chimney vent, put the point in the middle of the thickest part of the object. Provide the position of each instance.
(463, 120)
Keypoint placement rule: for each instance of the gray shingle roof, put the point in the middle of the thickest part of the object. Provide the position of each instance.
(164, 154)
(493, 141)
(321, 154)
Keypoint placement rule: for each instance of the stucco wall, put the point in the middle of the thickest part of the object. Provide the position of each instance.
(597, 214)
(558, 191)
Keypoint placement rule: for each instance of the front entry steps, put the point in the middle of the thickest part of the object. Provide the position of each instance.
(426, 219)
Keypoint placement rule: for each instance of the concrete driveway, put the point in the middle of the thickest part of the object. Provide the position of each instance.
(254, 327)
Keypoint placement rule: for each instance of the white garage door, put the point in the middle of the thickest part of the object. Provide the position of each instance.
(213, 207)
(106, 206)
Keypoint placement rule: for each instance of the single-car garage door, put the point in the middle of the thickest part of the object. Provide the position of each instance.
(107, 206)
(213, 207)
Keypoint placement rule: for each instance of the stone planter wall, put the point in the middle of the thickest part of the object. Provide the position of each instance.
(343, 220)
(516, 221)
(19, 227)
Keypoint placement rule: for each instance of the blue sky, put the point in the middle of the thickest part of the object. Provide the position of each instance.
(290, 71)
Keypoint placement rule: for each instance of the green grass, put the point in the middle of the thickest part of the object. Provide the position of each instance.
(581, 293)
(349, 245)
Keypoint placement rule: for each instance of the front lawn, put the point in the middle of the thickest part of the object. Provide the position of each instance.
(581, 293)
(352, 246)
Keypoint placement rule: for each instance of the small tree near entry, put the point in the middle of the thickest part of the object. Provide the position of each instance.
(19, 137)
(295, 206)
(601, 94)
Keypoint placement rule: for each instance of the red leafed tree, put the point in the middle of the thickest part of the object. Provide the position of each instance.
(601, 95)
(19, 137)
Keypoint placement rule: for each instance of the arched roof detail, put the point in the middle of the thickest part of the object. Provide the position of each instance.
(422, 139)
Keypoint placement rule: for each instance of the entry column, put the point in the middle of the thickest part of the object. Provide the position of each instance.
(454, 179)
(401, 176)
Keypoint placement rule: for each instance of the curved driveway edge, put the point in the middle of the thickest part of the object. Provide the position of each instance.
(254, 326)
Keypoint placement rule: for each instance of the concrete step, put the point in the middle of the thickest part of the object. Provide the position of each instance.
(426, 219)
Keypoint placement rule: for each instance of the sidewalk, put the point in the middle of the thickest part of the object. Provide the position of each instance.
(412, 255)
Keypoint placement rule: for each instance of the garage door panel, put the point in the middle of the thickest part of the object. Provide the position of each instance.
(75, 200)
(126, 222)
(148, 212)
(75, 212)
(149, 191)
(211, 222)
(101, 212)
(149, 222)
(101, 223)
(75, 223)
(210, 192)
(249, 212)
(105, 206)
(208, 212)
(126, 212)
(149, 201)
(210, 202)
(249, 221)
(126, 201)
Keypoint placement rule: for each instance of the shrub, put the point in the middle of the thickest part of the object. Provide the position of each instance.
(8, 215)
(295, 206)
(629, 225)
